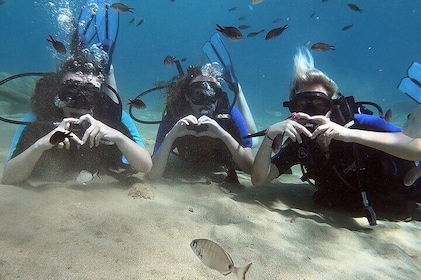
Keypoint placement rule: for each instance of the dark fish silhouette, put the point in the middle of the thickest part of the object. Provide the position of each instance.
(324, 0)
(121, 7)
(388, 116)
(230, 32)
(232, 9)
(132, 20)
(169, 60)
(59, 136)
(242, 18)
(276, 32)
(355, 8)
(347, 27)
(137, 103)
(2, 2)
(252, 34)
(321, 47)
(183, 59)
(140, 22)
(58, 46)
(244, 26)
(276, 20)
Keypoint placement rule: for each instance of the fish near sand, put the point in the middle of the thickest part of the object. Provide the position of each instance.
(230, 32)
(412, 126)
(272, 34)
(57, 45)
(85, 177)
(213, 256)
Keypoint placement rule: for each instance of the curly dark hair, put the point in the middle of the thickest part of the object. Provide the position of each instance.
(177, 106)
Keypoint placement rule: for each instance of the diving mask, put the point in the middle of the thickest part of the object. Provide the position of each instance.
(78, 95)
(310, 102)
(204, 92)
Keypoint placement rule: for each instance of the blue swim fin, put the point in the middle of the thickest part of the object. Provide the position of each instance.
(107, 24)
(411, 85)
(216, 51)
(86, 24)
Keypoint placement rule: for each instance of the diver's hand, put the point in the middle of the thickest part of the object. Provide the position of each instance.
(326, 130)
(45, 144)
(213, 130)
(181, 128)
(98, 132)
(289, 128)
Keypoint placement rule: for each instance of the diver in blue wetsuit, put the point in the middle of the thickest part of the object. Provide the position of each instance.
(347, 176)
(77, 122)
(201, 125)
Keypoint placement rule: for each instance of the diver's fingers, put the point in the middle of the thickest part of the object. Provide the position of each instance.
(60, 145)
(319, 130)
(93, 137)
(412, 175)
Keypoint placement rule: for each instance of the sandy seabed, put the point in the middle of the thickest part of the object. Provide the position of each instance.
(136, 229)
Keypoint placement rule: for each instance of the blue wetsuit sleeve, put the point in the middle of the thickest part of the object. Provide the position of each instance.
(374, 123)
(238, 119)
(134, 132)
(162, 132)
(29, 117)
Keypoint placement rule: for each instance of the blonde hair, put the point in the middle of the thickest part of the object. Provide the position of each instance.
(306, 74)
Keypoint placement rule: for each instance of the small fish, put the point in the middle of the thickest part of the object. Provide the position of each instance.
(140, 22)
(324, 0)
(276, 20)
(121, 7)
(230, 32)
(137, 103)
(169, 60)
(307, 43)
(355, 8)
(244, 26)
(313, 14)
(232, 9)
(272, 34)
(242, 18)
(213, 256)
(388, 116)
(255, 2)
(85, 177)
(346, 27)
(252, 34)
(184, 59)
(59, 136)
(412, 126)
(2, 2)
(321, 47)
(132, 20)
(58, 46)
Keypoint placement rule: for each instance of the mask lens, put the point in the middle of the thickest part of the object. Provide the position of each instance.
(203, 93)
(77, 95)
(312, 103)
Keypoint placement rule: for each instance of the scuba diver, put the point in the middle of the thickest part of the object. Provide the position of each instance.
(347, 176)
(77, 122)
(202, 126)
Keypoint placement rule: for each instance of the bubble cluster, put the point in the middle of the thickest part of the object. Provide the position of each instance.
(213, 70)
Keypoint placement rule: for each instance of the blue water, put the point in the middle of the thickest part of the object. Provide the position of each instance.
(369, 60)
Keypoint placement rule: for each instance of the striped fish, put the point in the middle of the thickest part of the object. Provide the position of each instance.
(213, 256)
